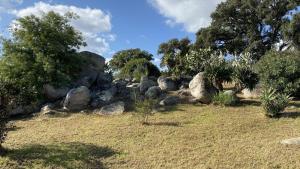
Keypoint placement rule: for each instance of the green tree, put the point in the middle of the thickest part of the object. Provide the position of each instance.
(292, 31)
(173, 55)
(136, 68)
(246, 26)
(42, 50)
(119, 59)
(133, 63)
(280, 71)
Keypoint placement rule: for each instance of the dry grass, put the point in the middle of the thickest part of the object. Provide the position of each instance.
(184, 137)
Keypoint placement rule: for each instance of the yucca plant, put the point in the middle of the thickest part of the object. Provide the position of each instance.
(273, 102)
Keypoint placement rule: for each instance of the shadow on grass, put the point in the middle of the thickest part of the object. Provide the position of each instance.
(68, 155)
(289, 115)
(244, 102)
(168, 109)
(171, 124)
(13, 128)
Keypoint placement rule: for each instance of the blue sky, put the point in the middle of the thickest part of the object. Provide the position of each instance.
(113, 25)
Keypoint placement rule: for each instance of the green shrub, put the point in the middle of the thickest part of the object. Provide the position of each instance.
(42, 50)
(3, 126)
(244, 75)
(280, 71)
(225, 99)
(137, 68)
(273, 102)
(144, 109)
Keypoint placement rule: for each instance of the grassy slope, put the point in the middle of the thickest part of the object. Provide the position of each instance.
(186, 137)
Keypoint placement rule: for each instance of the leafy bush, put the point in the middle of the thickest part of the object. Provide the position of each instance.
(3, 125)
(136, 68)
(273, 102)
(225, 99)
(243, 72)
(213, 63)
(42, 50)
(280, 71)
(144, 109)
(121, 58)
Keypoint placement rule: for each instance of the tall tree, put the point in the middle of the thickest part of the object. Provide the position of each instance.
(246, 26)
(292, 31)
(133, 63)
(42, 50)
(173, 55)
(119, 59)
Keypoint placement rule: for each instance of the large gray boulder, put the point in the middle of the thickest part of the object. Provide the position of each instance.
(77, 99)
(104, 81)
(116, 108)
(133, 91)
(201, 89)
(93, 64)
(93, 60)
(153, 92)
(166, 83)
(169, 101)
(23, 110)
(53, 93)
(146, 83)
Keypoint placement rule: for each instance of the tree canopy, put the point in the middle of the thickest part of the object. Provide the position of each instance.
(119, 59)
(246, 26)
(133, 63)
(42, 50)
(173, 55)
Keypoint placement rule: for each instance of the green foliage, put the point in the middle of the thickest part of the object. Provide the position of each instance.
(240, 26)
(120, 59)
(216, 68)
(225, 99)
(280, 71)
(133, 63)
(174, 56)
(243, 72)
(42, 50)
(144, 109)
(197, 59)
(273, 102)
(136, 68)
(292, 31)
(3, 125)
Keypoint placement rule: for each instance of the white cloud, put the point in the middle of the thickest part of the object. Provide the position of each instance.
(94, 24)
(193, 14)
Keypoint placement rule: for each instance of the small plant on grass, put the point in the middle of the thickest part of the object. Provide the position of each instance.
(144, 109)
(273, 102)
(225, 99)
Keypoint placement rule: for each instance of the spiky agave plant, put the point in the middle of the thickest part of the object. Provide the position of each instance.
(273, 102)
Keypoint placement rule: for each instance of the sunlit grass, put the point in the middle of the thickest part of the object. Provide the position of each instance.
(186, 136)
